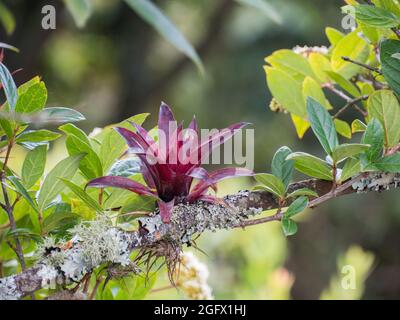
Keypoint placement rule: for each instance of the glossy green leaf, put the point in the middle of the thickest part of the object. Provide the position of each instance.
(376, 16)
(58, 115)
(297, 206)
(322, 125)
(289, 227)
(9, 86)
(347, 150)
(291, 63)
(290, 96)
(78, 142)
(358, 126)
(58, 220)
(391, 65)
(33, 99)
(320, 65)
(374, 136)
(351, 168)
(343, 128)
(354, 47)
(81, 194)
(282, 168)
(33, 166)
(52, 185)
(37, 136)
(311, 165)
(154, 17)
(384, 106)
(302, 192)
(271, 183)
(312, 89)
(23, 192)
(388, 164)
(333, 35)
(344, 83)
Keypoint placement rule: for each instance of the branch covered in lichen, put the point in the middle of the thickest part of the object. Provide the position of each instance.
(98, 242)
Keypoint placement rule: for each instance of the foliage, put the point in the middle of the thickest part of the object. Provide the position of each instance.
(361, 67)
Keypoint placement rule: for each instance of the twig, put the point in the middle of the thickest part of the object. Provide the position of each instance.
(366, 66)
(96, 286)
(352, 103)
(162, 288)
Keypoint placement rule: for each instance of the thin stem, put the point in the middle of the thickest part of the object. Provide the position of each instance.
(312, 204)
(352, 103)
(338, 92)
(162, 288)
(366, 66)
(397, 32)
(96, 287)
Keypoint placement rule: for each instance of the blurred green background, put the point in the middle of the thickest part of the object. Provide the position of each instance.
(118, 66)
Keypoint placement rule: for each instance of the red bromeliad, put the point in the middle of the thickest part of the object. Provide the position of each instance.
(170, 165)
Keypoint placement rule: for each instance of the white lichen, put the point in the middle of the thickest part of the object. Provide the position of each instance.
(8, 289)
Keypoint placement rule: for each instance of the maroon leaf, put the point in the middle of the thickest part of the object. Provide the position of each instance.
(123, 183)
(166, 209)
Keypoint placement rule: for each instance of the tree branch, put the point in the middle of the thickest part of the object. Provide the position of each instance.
(95, 243)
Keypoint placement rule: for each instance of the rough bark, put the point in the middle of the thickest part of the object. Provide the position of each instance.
(98, 242)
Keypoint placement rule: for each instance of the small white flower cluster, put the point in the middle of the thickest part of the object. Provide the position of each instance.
(305, 51)
(192, 279)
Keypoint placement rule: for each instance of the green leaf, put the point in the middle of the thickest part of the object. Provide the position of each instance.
(33, 99)
(52, 185)
(388, 164)
(7, 127)
(391, 65)
(297, 206)
(7, 19)
(33, 166)
(81, 194)
(9, 86)
(300, 124)
(312, 89)
(23, 192)
(333, 35)
(344, 83)
(311, 165)
(290, 96)
(343, 128)
(384, 106)
(37, 136)
(358, 126)
(347, 150)
(265, 8)
(78, 142)
(58, 115)
(289, 227)
(354, 47)
(291, 63)
(271, 183)
(81, 11)
(320, 65)
(125, 167)
(302, 192)
(322, 125)
(57, 220)
(136, 202)
(350, 169)
(374, 136)
(112, 144)
(282, 168)
(154, 17)
(376, 17)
